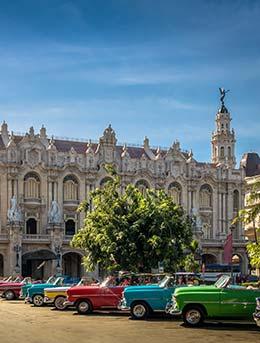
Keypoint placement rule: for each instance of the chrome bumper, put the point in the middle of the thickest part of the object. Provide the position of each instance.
(28, 300)
(256, 316)
(47, 300)
(122, 306)
(171, 308)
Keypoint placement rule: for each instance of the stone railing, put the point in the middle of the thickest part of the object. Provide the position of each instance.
(37, 238)
(67, 238)
(4, 237)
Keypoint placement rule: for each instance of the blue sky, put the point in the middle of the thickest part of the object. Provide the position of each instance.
(150, 68)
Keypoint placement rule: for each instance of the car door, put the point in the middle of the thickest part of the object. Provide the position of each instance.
(111, 296)
(237, 302)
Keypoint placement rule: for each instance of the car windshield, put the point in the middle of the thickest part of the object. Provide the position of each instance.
(51, 279)
(223, 281)
(109, 281)
(167, 281)
(26, 281)
(59, 281)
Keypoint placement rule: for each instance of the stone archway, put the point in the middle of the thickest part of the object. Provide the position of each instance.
(209, 259)
(71, 264)
(1, 265)
(38, 264)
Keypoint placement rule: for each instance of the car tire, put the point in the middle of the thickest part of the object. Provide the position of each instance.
(59, 303)
(139, 310)
(9, 295)
(193, 316)
(38, 300)
(84, 307)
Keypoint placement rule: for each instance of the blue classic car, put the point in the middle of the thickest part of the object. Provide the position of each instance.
(143, 300)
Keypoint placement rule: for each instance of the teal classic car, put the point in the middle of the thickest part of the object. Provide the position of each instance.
(219, 301)
(25, 288)
(35, 294)
(143, 300)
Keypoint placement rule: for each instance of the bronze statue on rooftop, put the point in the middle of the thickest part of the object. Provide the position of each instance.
(223, 93)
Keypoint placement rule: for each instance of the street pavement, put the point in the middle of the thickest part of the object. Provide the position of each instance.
(23, 323)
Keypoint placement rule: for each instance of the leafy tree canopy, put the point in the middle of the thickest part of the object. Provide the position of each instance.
(132, 231)
(251, 215)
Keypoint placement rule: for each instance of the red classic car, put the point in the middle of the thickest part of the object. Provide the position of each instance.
(11, 290)
(89, 298)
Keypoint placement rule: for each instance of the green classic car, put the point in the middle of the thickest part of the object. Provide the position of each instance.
(219, 301)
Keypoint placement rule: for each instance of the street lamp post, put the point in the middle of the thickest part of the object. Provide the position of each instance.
(58, 254)
(17, 249)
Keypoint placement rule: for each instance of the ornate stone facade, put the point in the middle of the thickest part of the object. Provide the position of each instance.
(41, 171)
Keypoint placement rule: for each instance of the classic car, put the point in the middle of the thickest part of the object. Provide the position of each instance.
(89, 298)
(58, 295)
(222, 300)
(35, 294)
(257, 312)
(144, 299)
(10, 290)
(25, 288)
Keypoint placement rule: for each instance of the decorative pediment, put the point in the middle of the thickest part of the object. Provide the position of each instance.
(33, 157)
(109, 136)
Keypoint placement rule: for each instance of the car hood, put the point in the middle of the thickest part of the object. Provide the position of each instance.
(11, 284)
(141, 288)
(41, 285)
(197, 289)
(57, 289)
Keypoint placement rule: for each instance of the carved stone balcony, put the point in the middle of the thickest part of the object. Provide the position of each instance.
(4, 237)
(211, 242)
(73, 204)
(67, 239)
(38, 238)
(32, 202)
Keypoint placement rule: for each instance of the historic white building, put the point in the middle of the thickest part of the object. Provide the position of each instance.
(37, 173)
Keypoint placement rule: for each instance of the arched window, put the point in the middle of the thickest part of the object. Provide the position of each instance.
(222, 152)
(70, 188)
(70, 227)
(229, 151)
(142, 185)
(235, 201)
(205, 196)
(31, 186)
(174, 191)
(31, 226)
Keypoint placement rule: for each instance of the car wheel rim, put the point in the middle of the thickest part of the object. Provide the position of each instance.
(193, 316)
(9, 295)
(59, 303)
(83, 306)
(139, 311)
(38, 300)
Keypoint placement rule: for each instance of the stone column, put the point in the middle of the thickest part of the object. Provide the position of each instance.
(15, 247)
(56, 232)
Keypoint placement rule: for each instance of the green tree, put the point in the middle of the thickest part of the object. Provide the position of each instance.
(132, 231)
(190, 263)
(251, 215)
